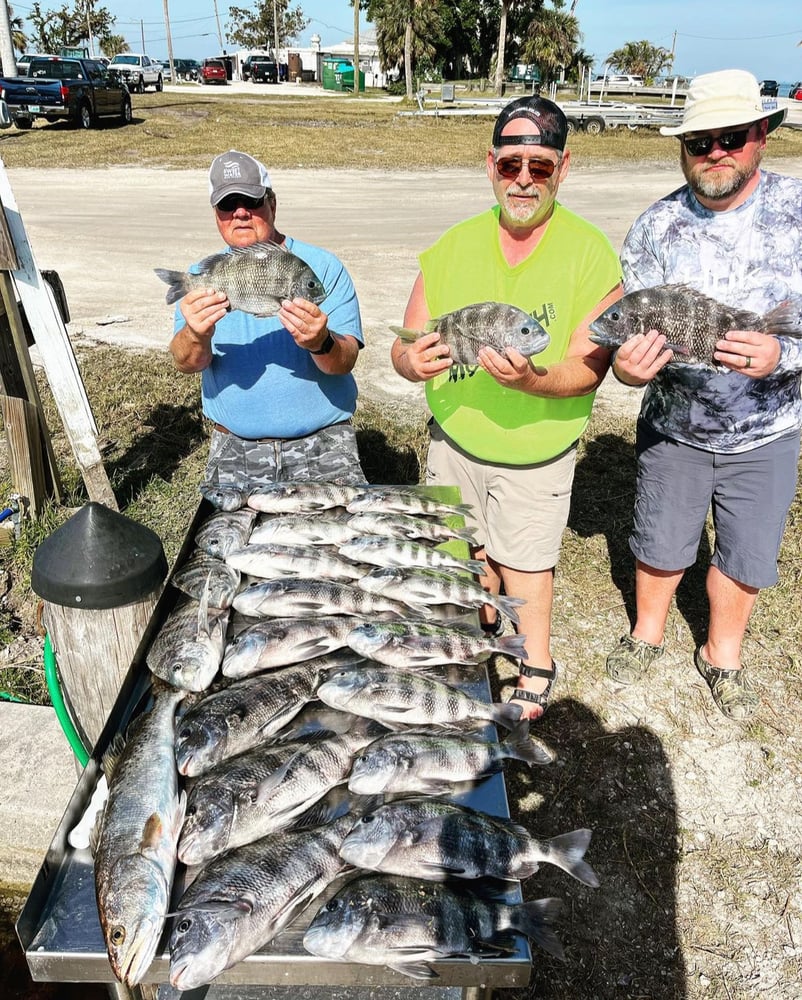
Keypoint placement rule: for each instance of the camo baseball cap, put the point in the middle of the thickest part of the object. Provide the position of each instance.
(237, 173)
(545, 115)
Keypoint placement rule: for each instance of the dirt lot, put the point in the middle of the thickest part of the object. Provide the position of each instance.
(712, 908)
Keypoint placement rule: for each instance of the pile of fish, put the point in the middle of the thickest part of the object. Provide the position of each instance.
(309, 694)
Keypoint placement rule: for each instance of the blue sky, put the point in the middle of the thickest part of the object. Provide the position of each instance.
(710, 34)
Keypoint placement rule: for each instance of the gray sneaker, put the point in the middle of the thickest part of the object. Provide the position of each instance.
(730, 689)
(631, 658)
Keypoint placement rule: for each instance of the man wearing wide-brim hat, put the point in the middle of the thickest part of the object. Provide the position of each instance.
(724, 433)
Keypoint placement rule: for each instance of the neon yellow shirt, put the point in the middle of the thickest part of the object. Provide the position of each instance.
(568, 273)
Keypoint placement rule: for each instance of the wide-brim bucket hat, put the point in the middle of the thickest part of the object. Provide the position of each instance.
(724, 99)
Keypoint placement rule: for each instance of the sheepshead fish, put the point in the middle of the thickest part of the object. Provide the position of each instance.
(433, 763)
(242, 899)
(255, 278)
(392, 696)
(420, 586)
(295, 498)
(279, 642)
(135, 840)
(397, 500)
(415, 644)
(189, 647)
(428, 838)
(225, 496)
(263, 791)
(378, 550)
(406, 526)
(300, 529)
(224, 531)
(302, 597)
(405, 923)
(245, 713)
(483, 324)
(691, 321)
(201, 571)
(270, 560)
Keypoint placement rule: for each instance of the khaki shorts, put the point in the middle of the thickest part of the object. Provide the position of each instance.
(519, 512)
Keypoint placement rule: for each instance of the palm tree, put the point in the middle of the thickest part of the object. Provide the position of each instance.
(641, 59)
(18, 37)
(406, 31)
(551, 41)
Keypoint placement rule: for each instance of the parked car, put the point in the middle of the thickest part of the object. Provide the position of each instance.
(137, 71)
(213, 71)
(617, 81)
(769, 88)
(264, 71)
(248, 61)
(187, 69)
(795, 93)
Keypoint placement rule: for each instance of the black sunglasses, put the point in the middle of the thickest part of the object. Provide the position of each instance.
(731, 142)
(539, 170)
(232, 202)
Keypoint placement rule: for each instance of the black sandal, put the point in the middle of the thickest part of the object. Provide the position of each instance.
(540, 698)
(493, 629)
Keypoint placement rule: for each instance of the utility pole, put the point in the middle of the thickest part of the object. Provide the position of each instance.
(673, 46)
(142, 35)
(356, 47)
(169, 42)
(275, 32)
(219, 32)
(6, 46)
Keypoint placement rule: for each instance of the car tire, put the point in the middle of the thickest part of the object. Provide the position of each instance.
(23, 123)
(160, 84)
(594, 125)
(126, 113)
(140, 85)
(84, 118)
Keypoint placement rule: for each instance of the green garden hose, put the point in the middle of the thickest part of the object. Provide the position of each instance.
(63, 716)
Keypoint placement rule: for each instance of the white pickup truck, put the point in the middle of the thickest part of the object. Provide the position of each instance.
(138, 71)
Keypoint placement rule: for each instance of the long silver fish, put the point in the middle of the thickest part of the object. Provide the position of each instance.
(378, 550)
(429, 838)
(224, 531)
(300, 529)
(415, 644)
(296, 497)
(401, 500)
(301, 597)
(241, 900)
(278, 642)
(245, 713)
(691, 321)
(433, 763)
(256, 278)
(201, 571)
(419, 586)
(392, 696)
(189, 646)
(424, 529)
(406, 923)
(483, 324)
(263, 791)
(136, 837)
(270, 560)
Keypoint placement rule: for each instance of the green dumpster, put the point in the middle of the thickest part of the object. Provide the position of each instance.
(338, 74)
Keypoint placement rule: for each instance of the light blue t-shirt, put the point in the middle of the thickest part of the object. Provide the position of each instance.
(750, 258)
(260, 383)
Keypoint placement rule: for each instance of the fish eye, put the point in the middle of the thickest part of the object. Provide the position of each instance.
(184, 925)
(332, 905)
(615, 316)
(192, 810)
(525, 331)
(311, 284)
(369, 818)
(117, 935)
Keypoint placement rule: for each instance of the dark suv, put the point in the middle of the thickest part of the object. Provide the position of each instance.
(264, 71)
(769, 88)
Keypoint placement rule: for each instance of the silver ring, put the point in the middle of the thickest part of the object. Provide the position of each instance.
(748, 363)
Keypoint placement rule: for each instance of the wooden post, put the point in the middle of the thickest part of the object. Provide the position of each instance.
(100, 575)
(21, 420)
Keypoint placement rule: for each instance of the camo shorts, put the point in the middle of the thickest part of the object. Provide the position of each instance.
(329, 455)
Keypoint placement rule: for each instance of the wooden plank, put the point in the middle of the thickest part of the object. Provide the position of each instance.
(23, 439)
(8, 255)
(58, 359)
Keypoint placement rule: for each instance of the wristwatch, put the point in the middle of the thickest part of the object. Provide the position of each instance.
(328, 343)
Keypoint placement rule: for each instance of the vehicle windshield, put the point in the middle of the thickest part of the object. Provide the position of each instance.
(125, 61)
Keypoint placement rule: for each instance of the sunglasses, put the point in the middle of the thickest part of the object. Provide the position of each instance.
(232, 202)
(731, 142)
(509, 167)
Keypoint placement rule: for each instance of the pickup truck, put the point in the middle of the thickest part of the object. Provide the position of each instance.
(81, 90)
(138, 71)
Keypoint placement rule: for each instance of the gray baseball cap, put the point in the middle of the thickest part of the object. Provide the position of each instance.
(237, 173)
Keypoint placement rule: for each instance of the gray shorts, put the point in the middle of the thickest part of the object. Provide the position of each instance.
(750, 494)
(328, 455)
(519, 512)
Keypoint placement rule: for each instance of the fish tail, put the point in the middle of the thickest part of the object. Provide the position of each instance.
(507, 714)
(511, 645)
(177, 281)
(567, 852)
(785, 320)
(465, 534)
(507, 605)
(521, 745)
(534, 919)
(405, 334)
(475, 566)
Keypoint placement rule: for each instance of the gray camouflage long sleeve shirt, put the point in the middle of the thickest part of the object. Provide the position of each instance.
(749, 257)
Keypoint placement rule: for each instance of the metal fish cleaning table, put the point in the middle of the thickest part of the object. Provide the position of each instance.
(60, 932)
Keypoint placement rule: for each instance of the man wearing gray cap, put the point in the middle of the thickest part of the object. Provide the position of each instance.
(506, 430)
(278, 389)
(726, 437)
